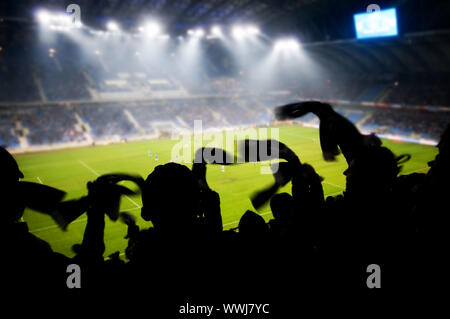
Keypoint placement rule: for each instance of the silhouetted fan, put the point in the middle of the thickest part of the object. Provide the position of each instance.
(282, 175)
(41, 198)
(213, 155)
(336, 132)
(264, 150)
(252, 225)
(103, 195)
(209, 155)
(10, 169)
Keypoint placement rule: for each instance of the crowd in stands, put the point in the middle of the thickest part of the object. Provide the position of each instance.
(106, 120)
(50, 124)
(419, 89)
(7, 125)
(17, 83)
(329, 89)
(312, 243)
(45, 124)
(65, 85)
(401, 121)
(404, 122)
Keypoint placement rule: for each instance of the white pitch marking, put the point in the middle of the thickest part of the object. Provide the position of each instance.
(55, 226)
(39, 180)
(89, 168)
(334, 185)
(136, 204)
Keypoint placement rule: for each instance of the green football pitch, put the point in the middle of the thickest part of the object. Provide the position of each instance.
(71, 169)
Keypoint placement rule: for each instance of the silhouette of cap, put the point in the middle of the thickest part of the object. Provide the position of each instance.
(8, 166)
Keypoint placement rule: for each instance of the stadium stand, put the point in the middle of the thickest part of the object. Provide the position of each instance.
(50, 124)
(106, 121)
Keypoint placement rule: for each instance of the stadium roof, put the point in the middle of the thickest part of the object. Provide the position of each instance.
(313, 20)
(417, 53)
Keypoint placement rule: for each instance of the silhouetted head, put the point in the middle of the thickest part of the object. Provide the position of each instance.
(281, 206)
(170, 197)
(439, 166)
(373, 171)
(10, 174)
(9, 169)
(252, 226)
(444, 144)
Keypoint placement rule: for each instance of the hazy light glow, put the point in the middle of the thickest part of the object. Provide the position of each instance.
(216, 31)
(252, 30)
(287, 45)
(51, 52)
(240, 32)
(43, 16)
(260, 63)
(112, 26)
(56, 21)
(151, 29)
(198, 33)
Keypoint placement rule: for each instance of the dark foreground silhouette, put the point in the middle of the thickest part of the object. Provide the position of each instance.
(312, 243)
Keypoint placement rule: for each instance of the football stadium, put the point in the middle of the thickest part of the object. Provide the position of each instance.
(145, 136)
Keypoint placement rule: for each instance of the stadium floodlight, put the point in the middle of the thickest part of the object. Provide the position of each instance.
(57, 21)
(198, 33)
(43, 16)
(287, 45)
(61, 19)
(216, 31)
(252, 30)
(238, 32)
(151, 29)
(112, 26)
